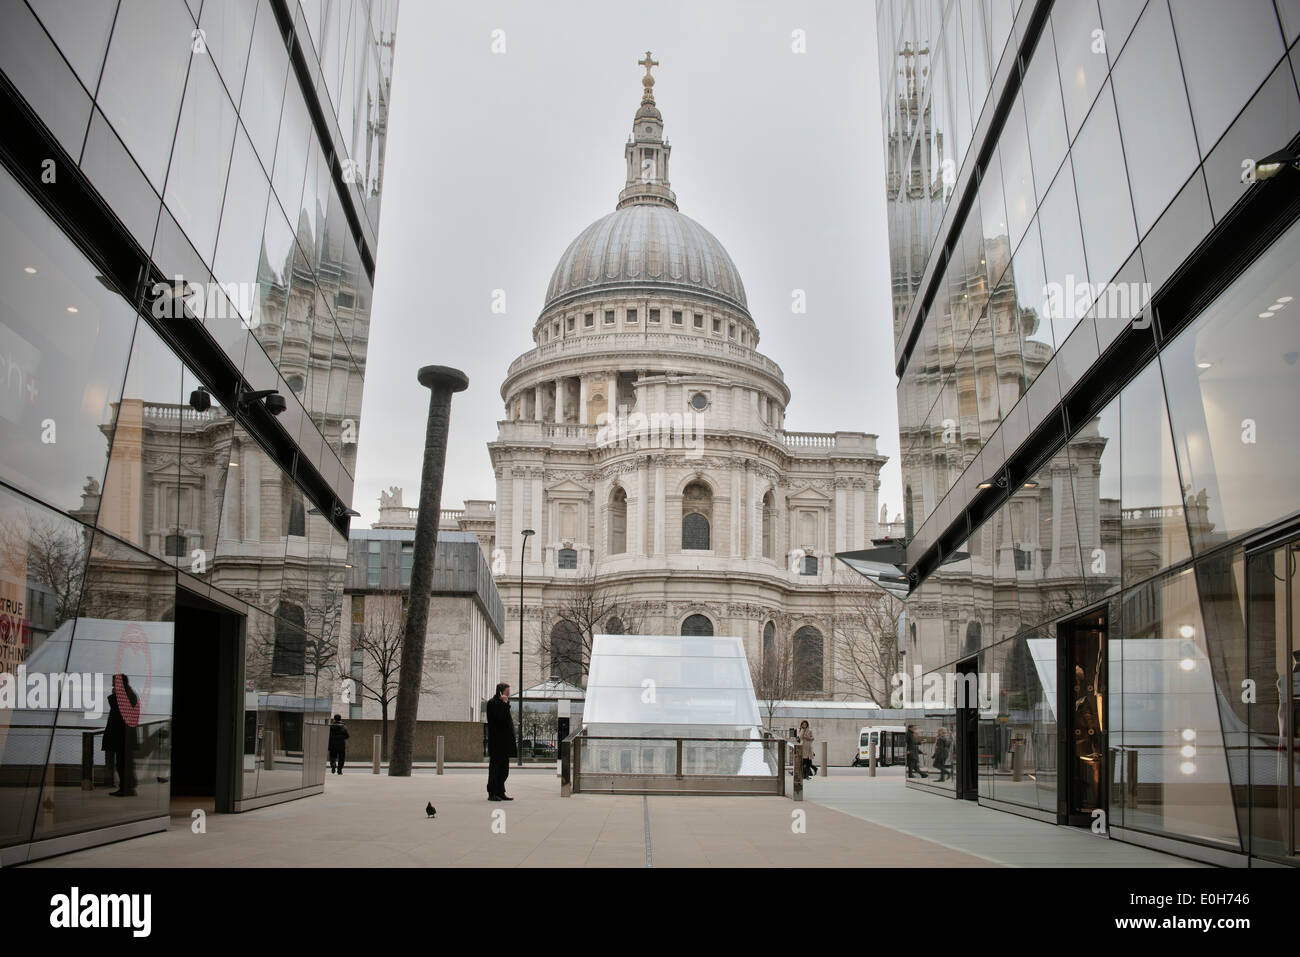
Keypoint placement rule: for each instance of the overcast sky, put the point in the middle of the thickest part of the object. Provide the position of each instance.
(496, 161)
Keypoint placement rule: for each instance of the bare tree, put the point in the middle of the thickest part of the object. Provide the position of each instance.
(587, 608)
(865, 639)
(772, 673)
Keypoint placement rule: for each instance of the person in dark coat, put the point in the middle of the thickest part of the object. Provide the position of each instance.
(501, 743)
(118, 737)
(913, 754)
(338, 744)
(941, 753)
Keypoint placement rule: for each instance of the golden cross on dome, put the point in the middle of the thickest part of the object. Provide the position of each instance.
(648, 62)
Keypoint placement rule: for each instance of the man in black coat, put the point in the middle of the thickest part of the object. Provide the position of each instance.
(338, 744)
(501, 743)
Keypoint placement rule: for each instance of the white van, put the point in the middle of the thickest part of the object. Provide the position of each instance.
(889, 742)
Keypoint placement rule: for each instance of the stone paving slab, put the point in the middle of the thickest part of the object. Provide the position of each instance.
(377, 821)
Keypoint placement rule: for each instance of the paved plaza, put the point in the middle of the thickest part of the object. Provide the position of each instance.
(848, 820)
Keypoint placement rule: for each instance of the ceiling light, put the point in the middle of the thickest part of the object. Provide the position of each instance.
(73, 309)
(1187, 767)
(1266, 315)
(1030, 484)
(1187, 631)
(30, 270)
(1187, 751)
(1283, 298)
(1189, 734)
(1204, 365)
(1187, 664)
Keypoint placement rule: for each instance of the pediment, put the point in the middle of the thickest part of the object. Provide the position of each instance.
(808, 496)
(567, 488)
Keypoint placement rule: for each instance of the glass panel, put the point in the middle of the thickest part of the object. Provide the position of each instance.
(1094, 453)
(122, 184)
(42, 567)
(1032, 322)
(263, 94)
(1231, 381)
(1064, 296)
(1102, 183)
(80, 28)
(239, 242)
(144, 76)
(1227, 50)
(1117, 18)
(1159, 146)
(124, 628)
(1182, 226)
(1083, 65)
(32, 63)
(1271, 654)
(1177, 782)
(1017, 173)
(201, 157)
(65, 337)
(1043, 111)
(227, 28)
(1153, 528)
(142, 499)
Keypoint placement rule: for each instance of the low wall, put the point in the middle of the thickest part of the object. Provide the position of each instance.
(463, 739)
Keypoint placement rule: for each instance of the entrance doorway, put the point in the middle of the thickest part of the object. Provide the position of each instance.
(1273, 659)
(968, 733)
(1081, 705)
(205, 704)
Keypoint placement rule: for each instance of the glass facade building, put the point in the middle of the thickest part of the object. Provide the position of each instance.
(1096, 337)
(189, 204)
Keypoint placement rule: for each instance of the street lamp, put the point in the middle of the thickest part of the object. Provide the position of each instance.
(522, 547)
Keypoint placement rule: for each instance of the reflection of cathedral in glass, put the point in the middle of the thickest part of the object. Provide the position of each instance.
(1095, 412)
(158, 521)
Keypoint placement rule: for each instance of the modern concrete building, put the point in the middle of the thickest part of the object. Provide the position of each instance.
(462, 644)
(1094, 281)
(189, 206)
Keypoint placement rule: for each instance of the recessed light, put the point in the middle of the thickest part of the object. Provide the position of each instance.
(985, 485)
(1030, 484)
(981, 262)
(1187, 664)
(30, 270)
(1283, 298)
(1278, 306)
(1266, 315)
(1189, 734)
(1187, 767)
(73, 309)
(1203, 364)
(1187, 751)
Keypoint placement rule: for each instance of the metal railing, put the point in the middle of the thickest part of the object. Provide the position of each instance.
(608, 764)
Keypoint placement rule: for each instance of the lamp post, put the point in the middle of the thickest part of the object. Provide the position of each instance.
(523, 546)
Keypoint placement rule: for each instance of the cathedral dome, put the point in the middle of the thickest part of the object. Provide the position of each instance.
(642, 246)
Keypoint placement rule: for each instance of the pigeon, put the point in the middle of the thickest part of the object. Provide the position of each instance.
(430, 810)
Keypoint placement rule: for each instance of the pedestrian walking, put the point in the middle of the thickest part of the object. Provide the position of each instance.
(338, 744)
(913, 754)
(941, 750)
(119, 733)
(806, 749)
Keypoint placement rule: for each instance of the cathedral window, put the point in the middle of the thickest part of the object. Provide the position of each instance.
(555, 330)
(731, 330)
(717, 325)
(697, 513)
(618, 522)
(175, 547)
(568, 558)
(677, 317)
(589, 320)
(566, 653)
(699, 321)
(807, 659)
(808, 566)
(631, 315)
(654, 315)
(698, 626)
(569, 324)
(699, 402)
(609, 317)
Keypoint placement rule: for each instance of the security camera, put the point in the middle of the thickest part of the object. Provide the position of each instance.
(272, 401)
(275, 403)
(200, 399)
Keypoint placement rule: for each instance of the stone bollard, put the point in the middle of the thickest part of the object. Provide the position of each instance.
(871, 747)
(440, 747)
(376, 753)
(826, 765)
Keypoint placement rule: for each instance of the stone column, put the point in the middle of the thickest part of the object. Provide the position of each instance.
(537, 403)
(442, 382)
(737, 513)
(659, 507)
(612, 386)
(559, 400)
(642, 513)
(754, 512)
(582, 400)
(861, 519)
(535, 543)
(841, 515)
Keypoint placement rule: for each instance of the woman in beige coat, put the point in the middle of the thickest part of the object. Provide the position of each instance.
(806, 749)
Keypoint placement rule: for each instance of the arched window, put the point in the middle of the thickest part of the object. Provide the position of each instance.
(769, 641)
(808, 566)
(808, 659)
(568, 558)
(567, 662)
(618, 521)
(697, 625)
(697, 515)
(769, 522)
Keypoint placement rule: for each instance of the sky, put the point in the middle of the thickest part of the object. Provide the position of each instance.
(506, 134)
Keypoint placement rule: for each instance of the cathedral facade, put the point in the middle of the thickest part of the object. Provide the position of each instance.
(644, 444)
